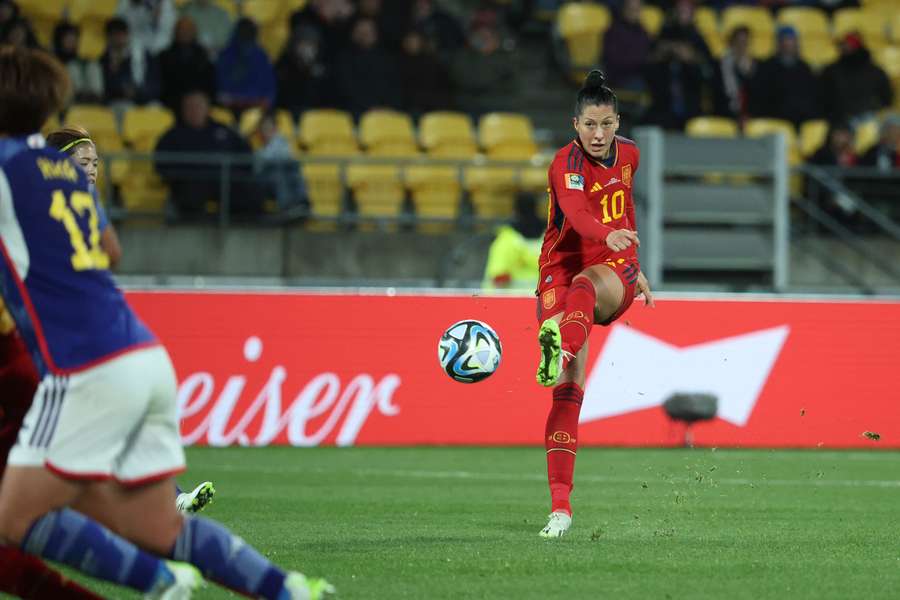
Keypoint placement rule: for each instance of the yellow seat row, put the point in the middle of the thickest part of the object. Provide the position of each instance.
(803, 144)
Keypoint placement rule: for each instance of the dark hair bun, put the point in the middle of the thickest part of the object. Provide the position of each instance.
(594, 80)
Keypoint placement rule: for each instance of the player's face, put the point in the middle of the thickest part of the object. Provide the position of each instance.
(596, 127)
(86, 157)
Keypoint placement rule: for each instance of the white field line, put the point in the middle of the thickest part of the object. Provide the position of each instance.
(484, 476)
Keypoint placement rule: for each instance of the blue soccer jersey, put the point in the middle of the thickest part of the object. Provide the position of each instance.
(54, 275)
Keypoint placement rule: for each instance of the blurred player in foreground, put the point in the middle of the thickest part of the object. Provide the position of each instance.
(102, 432)
(589, 271)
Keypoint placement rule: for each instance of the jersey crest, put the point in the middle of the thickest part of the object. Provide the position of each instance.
(626, 175)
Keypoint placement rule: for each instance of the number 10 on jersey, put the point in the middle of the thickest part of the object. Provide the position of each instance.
(618, 205)
(87, 254)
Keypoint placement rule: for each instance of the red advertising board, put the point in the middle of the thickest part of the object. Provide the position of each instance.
(313, 369)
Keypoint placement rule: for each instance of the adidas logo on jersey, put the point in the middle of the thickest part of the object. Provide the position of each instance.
(596, 187)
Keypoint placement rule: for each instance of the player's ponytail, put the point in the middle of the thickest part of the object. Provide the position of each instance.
(594, 92)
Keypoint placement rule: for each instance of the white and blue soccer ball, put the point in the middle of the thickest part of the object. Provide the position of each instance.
(469, 351)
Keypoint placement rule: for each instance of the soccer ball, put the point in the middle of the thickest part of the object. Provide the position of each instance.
(469, 351)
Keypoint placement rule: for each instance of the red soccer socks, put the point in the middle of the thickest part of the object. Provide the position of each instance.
(561, 442)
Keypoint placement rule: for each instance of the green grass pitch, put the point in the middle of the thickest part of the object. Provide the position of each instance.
(433, 523)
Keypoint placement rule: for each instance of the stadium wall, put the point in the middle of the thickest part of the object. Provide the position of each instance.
(311, 369)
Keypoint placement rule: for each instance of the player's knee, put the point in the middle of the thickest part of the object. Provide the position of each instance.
(160, 537)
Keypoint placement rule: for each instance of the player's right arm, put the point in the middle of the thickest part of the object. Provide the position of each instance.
(569, 186)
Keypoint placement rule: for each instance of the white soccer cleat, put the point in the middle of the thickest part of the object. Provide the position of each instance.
(187, 580)
(301, 587)
(196, 500)
(557, 526)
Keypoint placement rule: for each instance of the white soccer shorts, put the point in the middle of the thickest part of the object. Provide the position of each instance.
(117, 420)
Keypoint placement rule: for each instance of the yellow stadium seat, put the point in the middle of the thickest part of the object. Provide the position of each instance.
(91, 41)
(273, 37)
(813, 134)
(92, 10)
(582, 25)
(807, 20)
(143, 126)
(870, 25)
(652, 18)
(377, 189)
(711, 127)
(705, 20)
(533, 179)
(507, 136)
(758, 20)
(142, 190)
(895, 27)
(435, 193)
(328, 132)
(51, 125)
(221, 115)
(817, 52)
(263, 12)
(100, 123)
(888, 58)
(492, 191)
(284, 121)
(763, 127)
(387, 133)
(866, 135)
(446, 134)
(324, 188)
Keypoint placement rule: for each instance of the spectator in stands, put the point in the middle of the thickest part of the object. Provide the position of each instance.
(838, 148)
(9, 11)
(130, 74)
(391, 26)
(734, 71)
(885, 155)
(333, 19)
(367, 72)
(678, 70)
(18, 32)
(194, 185)
(483, 75)
(213, 22)
(785, 87)
(86, 76)
(303, 80)
(419, 63)
(244, 75)
(151, 22)
(854, 87)
(624, 70)
(439, 26)
(185, 66)
(276, 167)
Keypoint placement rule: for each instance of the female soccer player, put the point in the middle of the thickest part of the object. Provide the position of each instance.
(102, 432)
(589, 271)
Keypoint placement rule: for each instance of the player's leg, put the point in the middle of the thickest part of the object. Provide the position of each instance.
(25, 576)
(189, 503)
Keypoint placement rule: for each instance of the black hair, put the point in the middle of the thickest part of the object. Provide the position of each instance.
(594, 92)
(116, 25)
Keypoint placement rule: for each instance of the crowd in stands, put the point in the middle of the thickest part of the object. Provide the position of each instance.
(417, 56)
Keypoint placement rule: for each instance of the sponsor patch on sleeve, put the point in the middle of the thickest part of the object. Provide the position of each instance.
(574, 181)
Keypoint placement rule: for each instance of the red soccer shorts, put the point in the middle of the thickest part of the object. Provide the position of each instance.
(557, 277)
(18, 383)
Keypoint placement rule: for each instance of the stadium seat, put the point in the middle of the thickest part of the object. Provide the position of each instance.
(492, 191)
(813, 134)
(144, 192)
(328, 132)
(98, 11)
(866, 135)
(807, 20)
(652, 18)
(758, 20)
(273, 38)
(284, 121)
(895, 28)
(711, 127)
(533, 180)
(387, 133)
(762, 127)
(817, 52)
(707, 24)
(100, 122)
(507, 136)
(435, 194)
(446, 134)
(143, 126)
(91, 41)
(870, 25)
(377, 189)
(888, 58)
(581, 26)
(263, 12)
(324, 188)
(43, 15)
(221, 115)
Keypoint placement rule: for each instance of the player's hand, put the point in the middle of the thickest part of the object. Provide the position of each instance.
(620, 239)
(643, 289)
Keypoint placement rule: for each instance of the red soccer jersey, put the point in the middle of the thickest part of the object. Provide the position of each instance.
(589, 199)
